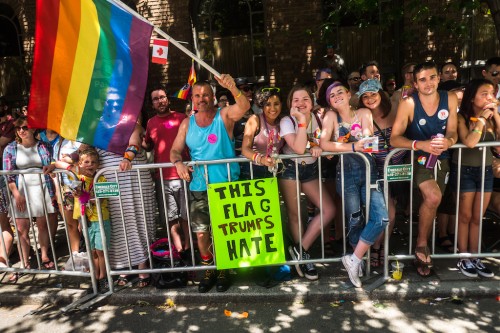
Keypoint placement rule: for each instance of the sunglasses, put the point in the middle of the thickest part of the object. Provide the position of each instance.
(357, 78)
(223, 100)
(495, 73)
(271, 89)
(24, 128)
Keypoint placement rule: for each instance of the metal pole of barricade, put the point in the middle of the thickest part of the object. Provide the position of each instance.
(85, 231)
(342, 177)
(60, 174)
(481, 205)
(4, 247)
(124, 225)
(47, 218)
(165, 214)
(457, 201)
(145, 219)
(32, 225)
(299, 210)
(322, 235)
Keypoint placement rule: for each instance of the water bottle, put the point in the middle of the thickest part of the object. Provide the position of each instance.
(431, 161)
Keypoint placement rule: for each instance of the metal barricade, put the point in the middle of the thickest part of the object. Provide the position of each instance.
(136, 170)
(434, 255)
(34, 231)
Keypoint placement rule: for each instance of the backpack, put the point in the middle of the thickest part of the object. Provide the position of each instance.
(162, 258)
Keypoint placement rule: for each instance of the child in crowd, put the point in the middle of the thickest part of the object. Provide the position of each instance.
(85, 204)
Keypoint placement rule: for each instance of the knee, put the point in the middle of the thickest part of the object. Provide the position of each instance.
(355, 220)
(433, 199)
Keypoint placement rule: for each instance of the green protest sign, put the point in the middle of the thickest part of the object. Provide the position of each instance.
(246, 223)
(106, 189)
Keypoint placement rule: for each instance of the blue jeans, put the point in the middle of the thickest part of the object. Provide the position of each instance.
(354, 196)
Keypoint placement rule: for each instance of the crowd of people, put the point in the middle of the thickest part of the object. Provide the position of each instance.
(344, 112)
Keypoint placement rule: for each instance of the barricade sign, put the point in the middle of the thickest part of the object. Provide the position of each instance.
(399, 172)
(246, 223)
(106, 189)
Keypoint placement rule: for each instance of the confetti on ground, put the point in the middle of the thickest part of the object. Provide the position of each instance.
(236, 314)
(167, 305)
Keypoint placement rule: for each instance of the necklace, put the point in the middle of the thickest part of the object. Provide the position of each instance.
(272, 140)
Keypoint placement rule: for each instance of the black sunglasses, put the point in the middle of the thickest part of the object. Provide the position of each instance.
(495, 73)
(246, 88)
(24, 128)
(357, 78)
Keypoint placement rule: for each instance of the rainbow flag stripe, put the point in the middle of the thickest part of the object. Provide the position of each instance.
(89, 72)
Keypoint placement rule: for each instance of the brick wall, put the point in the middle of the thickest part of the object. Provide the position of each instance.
(294, 49)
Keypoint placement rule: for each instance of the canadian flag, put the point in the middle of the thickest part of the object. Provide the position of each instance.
(160, 51)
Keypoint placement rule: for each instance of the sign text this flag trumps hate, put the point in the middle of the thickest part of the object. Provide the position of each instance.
(246, 223)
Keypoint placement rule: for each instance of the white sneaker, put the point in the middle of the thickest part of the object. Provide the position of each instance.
(352, 269)
(361, 271)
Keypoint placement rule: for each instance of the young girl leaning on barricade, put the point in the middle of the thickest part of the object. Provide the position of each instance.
(478, 121)
(85, 204)
(301, 132)
(346, 130)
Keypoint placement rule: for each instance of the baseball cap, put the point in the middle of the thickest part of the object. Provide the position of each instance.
(370, 85)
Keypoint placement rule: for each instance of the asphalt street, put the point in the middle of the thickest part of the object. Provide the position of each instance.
(421, 315)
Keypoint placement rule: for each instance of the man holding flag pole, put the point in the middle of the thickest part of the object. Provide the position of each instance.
(209, 136)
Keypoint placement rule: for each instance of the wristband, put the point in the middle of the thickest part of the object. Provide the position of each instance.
(477, 131)
(414, 145)
(68, 168)
(128, 155)
(302, 125)
(176, 161)
(239, 94)
(353, 150)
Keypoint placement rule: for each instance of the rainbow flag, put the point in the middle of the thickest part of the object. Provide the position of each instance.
(90, 71)
(184, 92)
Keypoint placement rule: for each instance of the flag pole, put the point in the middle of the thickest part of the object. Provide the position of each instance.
(167, 37)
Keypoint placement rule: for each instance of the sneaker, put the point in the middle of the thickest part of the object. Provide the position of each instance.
(208, 280)
(467, 268)
(308, 269)
(481, 269)
(223, 282)
(295, 254)
(352, 269)
(361, 270)
(102, 286)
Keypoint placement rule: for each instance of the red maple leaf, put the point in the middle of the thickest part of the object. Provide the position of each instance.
(160, 51)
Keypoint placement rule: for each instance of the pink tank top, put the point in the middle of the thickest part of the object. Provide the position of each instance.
(268, 141)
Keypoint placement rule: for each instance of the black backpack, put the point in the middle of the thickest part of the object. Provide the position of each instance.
(162, 258)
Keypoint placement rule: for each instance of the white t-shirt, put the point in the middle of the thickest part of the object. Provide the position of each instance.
(313, 133)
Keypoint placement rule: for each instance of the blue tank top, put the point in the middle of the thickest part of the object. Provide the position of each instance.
(423, 126)
(210, 143)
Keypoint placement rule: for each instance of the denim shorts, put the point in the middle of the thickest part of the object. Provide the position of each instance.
(307, 172)
(470, 178)
(95, 238)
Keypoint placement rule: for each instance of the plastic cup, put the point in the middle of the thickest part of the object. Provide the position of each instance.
(397, 270)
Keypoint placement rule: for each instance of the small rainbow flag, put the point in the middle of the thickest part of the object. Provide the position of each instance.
(90, 71)
(183, 93)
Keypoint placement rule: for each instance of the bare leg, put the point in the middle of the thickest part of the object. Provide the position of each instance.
(6, 238)
(476, 220)
(288, 189)
(431, 198)
(23, 228)
(464, 220)
(74, 233)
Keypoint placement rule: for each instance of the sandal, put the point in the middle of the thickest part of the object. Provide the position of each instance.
(427, 254)
(14, 277)
(144, 282)
(122, 281)
(445, 243)
(375, 257)
(48, 264)
(423, 267)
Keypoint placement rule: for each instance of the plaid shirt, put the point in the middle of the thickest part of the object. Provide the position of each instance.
(9, 162)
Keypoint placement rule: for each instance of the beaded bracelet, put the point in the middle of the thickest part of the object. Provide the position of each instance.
(477, 131)
(414, 145)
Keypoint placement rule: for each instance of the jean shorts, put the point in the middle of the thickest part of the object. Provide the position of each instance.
(470, 178)
(307, 172)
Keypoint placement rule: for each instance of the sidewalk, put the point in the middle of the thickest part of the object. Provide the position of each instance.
(333, 285)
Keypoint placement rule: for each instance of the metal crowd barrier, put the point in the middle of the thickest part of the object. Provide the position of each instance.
(21, 269)
(434, 255)
(139, 169)
(112, 272)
